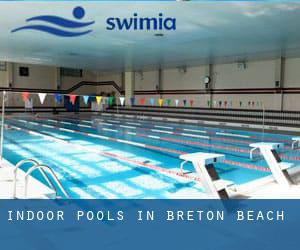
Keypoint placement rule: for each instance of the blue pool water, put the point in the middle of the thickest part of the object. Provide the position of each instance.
(108, 157)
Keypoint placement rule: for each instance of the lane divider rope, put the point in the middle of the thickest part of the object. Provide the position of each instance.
(163, 122)
(110, 155)
(245, 165)
(200, 131)
(167, 132)
(239, 150)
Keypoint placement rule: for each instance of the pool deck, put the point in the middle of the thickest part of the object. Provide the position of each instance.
(36, 189)
(267, 188)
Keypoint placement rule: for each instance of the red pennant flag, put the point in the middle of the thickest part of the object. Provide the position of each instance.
(25, 96)
(191, 102)
(142, 101)
(72, 99)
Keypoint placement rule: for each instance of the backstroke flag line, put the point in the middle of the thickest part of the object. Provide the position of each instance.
(122, 100)
(42, 97)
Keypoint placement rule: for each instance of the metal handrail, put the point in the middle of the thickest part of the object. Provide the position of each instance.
(18, 165)
(53, 175)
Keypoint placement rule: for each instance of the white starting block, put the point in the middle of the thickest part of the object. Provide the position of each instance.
(210, 180)
(252, 151)
(277, 167)
(296, 141)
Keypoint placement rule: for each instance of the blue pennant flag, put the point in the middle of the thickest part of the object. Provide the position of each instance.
(86, 99)
(132, 100)
(57, 98)
(152, 101)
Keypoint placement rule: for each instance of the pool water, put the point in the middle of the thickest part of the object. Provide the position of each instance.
(97, 156)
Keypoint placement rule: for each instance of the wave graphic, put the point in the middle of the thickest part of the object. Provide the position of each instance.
(60, 22)
(51, 30)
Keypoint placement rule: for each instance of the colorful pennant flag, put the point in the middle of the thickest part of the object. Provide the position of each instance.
(160, 101)
(42, 97)
(29, 103)
(241, 103)
(220, 103)
(72, 99)
(57, 98)
(132, 101)
(176, 102)
(25, 96)
(86, 99)
(142, 101)
(110, 100)
(184, 102)
(225, 103)
(191, 103)
(208, 103)
(98, 99)
(169, 102)
(152, 101)
(122, 100)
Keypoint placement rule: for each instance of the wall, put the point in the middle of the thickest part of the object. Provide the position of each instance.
(146, 80)
(67, 82)
(109, 76)
(260, 76)
(233, 85)
(292, 73)
(48, 77)
(176, 79)
(4, 79)
(42, 77)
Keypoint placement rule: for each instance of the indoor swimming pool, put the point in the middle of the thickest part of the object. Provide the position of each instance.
(99, 156)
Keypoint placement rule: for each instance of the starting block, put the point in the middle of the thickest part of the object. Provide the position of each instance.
(296, 141)
(210, 180)
(252, 150)
(277, 167)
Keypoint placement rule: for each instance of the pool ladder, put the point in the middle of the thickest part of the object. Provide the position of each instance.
(43, 169)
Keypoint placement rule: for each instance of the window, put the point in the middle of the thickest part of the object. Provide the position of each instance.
(71, 72)
(23, 71)
(2, 66)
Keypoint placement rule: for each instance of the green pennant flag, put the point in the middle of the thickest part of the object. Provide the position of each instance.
(110, 100)
(169, 102)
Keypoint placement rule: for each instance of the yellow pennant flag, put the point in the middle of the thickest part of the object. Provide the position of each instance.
(160, 102)
(98, 99)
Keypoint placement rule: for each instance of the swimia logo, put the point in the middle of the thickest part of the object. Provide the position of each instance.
(60, 26)
(141, 23)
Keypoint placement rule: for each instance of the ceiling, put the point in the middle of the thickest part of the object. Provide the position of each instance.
(206, 32)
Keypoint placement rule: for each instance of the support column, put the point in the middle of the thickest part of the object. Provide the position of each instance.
(57, 79)
(160, 81)
(129, 86)
(123, 81)
(209, 73)
(279, 78)
(10, 74)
